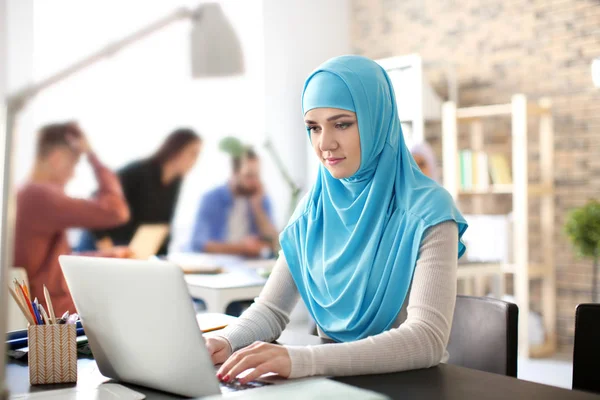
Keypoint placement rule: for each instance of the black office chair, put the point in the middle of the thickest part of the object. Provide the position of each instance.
(586, 351)
(484, 335)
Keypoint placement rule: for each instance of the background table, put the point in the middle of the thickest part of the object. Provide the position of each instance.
(240, 280)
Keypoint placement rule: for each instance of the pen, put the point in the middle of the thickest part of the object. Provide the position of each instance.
(43, 314)
(49, 305)
(63, 319)
(38, 317)
(72, 319)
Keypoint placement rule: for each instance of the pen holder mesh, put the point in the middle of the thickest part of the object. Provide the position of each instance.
(52, 354)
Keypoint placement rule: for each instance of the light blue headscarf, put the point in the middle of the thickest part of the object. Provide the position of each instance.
(352, 244)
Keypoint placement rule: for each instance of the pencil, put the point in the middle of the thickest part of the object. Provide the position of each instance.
(216, 328)
(49, 305)
(28, 303)
(25, 288)
(24, 310)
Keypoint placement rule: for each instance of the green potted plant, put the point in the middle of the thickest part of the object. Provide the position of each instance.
(583, 229)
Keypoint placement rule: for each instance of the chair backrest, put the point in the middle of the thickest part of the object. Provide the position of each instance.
(586, 351)
(484, 335)
(16, 320)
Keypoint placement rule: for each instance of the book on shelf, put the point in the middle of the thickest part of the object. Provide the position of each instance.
(500, 169)
(479, 170)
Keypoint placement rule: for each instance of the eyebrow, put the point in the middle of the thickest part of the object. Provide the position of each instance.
(332, 118)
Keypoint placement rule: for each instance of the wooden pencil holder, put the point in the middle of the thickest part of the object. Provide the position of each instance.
(52, 354)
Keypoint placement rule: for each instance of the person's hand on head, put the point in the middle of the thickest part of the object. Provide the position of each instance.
(218, 348)
(259, 356)
(256, 199)
(77, 139)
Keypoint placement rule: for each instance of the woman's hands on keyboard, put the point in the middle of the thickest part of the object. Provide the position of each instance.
(218, 348)
(263, 357)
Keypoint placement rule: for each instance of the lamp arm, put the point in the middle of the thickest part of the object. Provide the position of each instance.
(18, 99)
(295, 189)
(280, 166)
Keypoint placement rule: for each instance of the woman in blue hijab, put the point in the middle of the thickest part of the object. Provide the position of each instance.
(372, 249)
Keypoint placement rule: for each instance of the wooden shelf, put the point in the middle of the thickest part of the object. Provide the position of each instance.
(483, 111)
(532, 190)
(494, 189)
(522, 270)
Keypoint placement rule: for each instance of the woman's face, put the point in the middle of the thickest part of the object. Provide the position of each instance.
(187, 157)
(335, 140)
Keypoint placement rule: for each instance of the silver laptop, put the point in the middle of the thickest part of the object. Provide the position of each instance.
(141, 324)
(142, 328)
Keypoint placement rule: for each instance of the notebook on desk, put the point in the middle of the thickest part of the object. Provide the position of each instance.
(192, 263)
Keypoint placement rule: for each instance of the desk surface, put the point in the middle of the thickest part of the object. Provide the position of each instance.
(442, 382)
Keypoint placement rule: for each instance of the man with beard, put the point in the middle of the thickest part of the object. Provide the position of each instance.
(236, 218)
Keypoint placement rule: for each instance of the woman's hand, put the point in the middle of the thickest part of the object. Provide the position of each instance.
(263, 357)
(218, 348)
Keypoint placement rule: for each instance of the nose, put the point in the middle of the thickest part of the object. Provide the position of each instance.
(328, 141)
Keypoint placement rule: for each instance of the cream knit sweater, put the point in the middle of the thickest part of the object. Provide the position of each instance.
(417, 340)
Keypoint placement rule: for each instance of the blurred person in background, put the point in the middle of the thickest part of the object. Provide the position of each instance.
(45, 211)
(426, 160)
(236, 218)
(151, 187)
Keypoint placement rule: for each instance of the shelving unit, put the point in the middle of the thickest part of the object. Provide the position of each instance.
(416, 100)
(521, 268)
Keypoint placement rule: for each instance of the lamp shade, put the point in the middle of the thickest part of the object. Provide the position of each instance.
(215, 47)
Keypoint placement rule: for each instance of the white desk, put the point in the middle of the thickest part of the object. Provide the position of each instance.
(239, 282)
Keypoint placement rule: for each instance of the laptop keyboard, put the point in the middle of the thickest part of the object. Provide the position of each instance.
(236, 386)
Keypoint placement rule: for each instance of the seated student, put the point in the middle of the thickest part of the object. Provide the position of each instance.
(426, 160)
(235, 218)
(151, 187)
(372, 249)
(45, 211)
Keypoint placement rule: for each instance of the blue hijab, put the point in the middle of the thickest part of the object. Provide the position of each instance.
(352, 244)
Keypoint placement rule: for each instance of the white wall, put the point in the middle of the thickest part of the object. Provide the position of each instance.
(298, 39)
(20, 49)
(3, 60)
(129, 102)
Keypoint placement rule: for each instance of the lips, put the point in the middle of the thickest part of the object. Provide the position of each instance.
(334, 160)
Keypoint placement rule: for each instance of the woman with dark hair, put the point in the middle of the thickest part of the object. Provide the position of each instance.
(151, 187)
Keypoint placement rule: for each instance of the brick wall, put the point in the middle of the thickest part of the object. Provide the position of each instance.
(536, 47)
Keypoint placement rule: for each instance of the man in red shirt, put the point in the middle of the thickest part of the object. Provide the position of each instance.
(45, 212)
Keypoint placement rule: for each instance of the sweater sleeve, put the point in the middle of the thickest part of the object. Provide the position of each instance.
(59, 211)
(419, 342)
(270, 313)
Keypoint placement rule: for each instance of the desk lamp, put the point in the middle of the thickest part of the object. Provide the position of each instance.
(215, 51)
